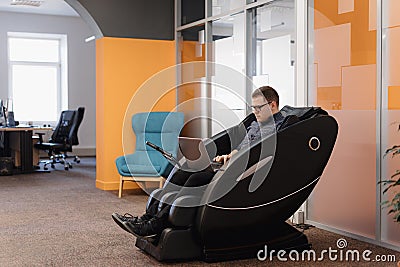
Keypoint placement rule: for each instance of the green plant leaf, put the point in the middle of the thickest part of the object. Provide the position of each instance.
(391, 150)
(384, 182)
(385, 202)
(396, 197)
(387, 189)
(394, 181)
(396, 174)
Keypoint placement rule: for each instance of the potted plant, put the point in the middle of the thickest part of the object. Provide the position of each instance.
(392, 184)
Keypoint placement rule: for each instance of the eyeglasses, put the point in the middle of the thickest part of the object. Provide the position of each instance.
(259, 107)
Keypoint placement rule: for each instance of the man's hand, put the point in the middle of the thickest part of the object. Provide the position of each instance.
(224, 158)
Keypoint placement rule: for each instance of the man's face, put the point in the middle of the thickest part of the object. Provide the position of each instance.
(260, 108)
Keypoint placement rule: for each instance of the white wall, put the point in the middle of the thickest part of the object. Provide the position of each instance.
(81, 64)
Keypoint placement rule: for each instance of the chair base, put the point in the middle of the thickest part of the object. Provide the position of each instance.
(61, 158)
(122, 179)
(257, 242)
(183, 245)
(173, 245)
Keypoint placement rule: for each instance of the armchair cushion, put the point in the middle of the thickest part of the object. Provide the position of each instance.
(141, 164)
(142, 170)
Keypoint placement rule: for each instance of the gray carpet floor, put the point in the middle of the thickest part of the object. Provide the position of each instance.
(61, 219)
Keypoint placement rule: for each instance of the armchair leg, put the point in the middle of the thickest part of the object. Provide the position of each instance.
(121, 185)
(141, 180)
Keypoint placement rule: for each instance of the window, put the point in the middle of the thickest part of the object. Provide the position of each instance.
(38, 76)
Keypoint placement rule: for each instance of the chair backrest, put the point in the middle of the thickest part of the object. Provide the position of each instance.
(62, 131)
(66, 131)
(160, 128)
(73, 136)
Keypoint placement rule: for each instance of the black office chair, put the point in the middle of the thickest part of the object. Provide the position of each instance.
(64, 137)
(237, 223)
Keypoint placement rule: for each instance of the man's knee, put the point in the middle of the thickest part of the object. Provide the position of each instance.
(199, 179)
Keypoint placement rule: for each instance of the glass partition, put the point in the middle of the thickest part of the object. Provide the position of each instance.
(275, 49)
(343, 71)
(390, 230)
(229, 100)
(224, 6)
(191, 11)
(192, 81)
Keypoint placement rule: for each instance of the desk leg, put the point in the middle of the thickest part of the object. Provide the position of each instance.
(26, 151)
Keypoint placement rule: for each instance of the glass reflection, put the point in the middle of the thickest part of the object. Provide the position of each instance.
(228, 49)
(390, 110)
(192, 83)
(275, 48)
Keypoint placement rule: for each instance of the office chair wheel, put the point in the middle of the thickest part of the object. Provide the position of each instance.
(70, 165)
(78, 161)
(52, 166)
(66, 168)
(45, 168)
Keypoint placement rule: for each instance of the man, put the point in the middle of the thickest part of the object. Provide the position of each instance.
(265, 100)
(261, 98)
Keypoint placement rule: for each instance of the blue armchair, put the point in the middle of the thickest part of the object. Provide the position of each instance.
(147, 164)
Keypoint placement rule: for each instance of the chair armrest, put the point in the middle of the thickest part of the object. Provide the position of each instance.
(40, 137)
(183, 210)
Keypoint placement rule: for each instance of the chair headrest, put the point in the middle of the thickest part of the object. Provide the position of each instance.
(157, 122)
(287, 121)
(302, 112)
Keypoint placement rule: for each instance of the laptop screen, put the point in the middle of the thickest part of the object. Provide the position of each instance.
(194, 150)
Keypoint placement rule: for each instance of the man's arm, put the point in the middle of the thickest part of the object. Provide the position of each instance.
(254, 127)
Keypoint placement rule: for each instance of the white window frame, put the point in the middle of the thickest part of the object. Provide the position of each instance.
(61, 66)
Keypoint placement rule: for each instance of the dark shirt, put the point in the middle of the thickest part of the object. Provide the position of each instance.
(257, 130)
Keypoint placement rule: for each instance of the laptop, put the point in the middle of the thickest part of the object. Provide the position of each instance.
(197, 158)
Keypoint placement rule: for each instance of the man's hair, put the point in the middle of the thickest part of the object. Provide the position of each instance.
(268, 92)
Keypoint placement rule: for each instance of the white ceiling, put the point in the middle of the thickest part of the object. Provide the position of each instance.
(48, 7)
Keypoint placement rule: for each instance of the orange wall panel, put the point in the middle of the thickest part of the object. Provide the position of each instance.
(122, 66)
(345, 41)
(394, 97)
(363, 40)
(329, 97)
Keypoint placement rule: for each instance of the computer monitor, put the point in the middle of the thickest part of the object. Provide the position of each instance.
(3, 118)
(10, 122)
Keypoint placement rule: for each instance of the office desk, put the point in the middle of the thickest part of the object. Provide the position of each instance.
(23, 135)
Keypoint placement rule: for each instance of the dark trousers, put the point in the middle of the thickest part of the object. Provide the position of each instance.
(186, 181)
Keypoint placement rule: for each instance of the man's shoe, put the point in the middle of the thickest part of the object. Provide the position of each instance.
(127, 217)
(149, 228)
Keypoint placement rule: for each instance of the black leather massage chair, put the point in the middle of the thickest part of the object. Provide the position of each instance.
(246, 205)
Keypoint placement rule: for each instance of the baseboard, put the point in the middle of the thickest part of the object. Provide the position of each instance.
(85, 151)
